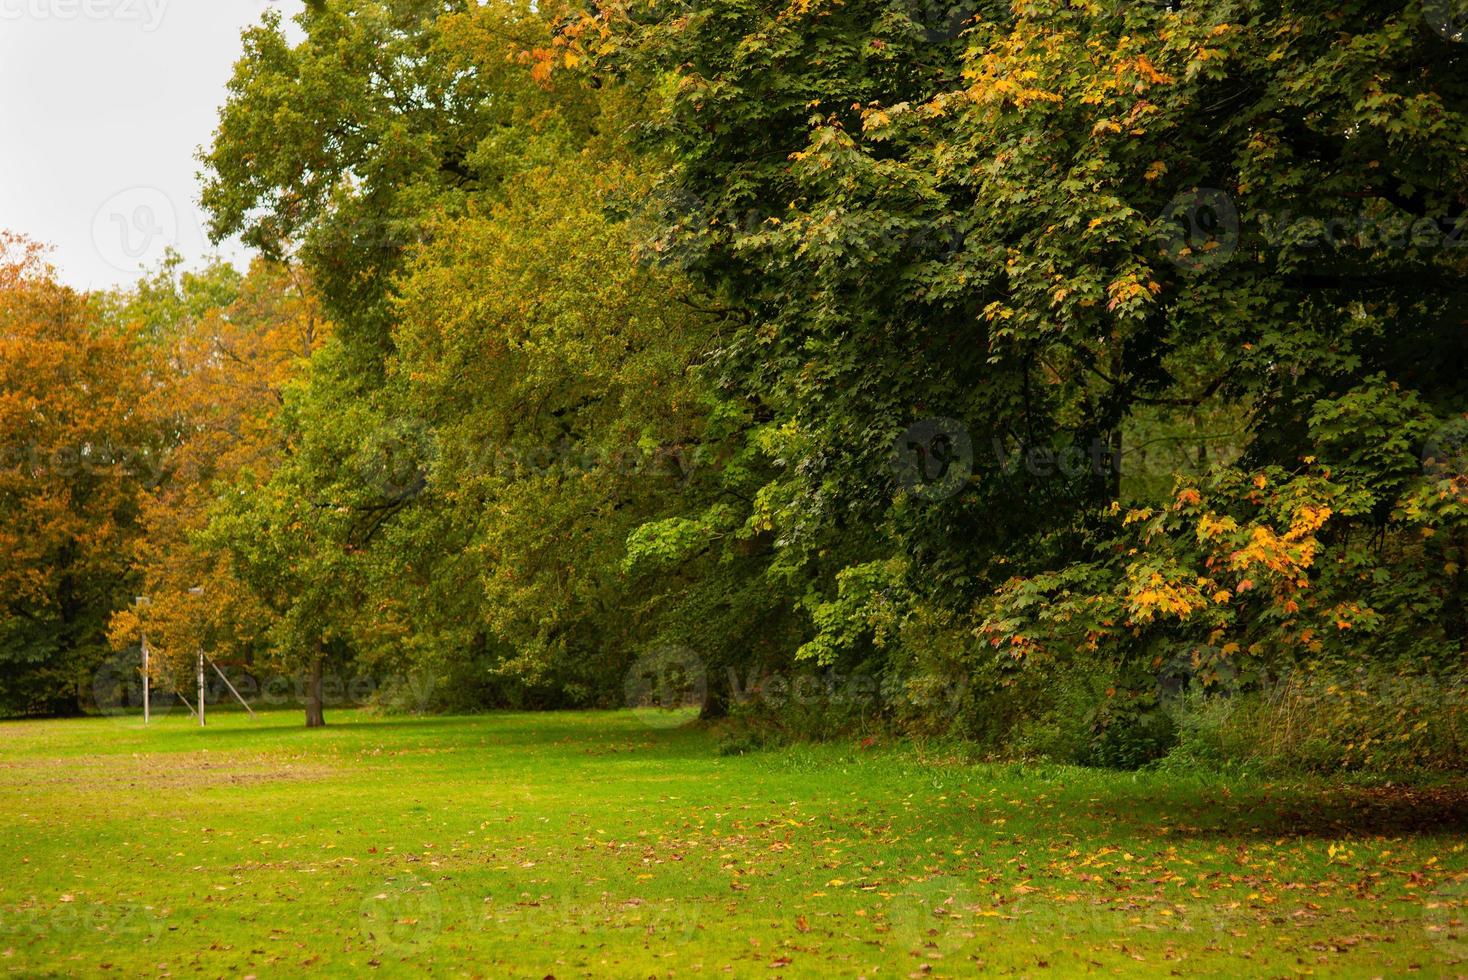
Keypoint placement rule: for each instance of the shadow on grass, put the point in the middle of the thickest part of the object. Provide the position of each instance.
(1186, 807)
(1316, 810)
(603, 734)
(1380, 810)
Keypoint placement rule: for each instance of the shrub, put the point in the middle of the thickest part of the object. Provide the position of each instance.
(1366, 720)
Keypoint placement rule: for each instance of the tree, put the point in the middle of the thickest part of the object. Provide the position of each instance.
(555, 377)
(1312, 282)
(1061, 225)
(78, 449)
(508, 393)
(340, 149)
(232, 346)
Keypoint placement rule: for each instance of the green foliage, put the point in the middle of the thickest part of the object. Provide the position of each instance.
(1066, 350)
(171, 298)
(1371, 720)
(982, 228)
(551, 377)
(385, 125)
(916, 231)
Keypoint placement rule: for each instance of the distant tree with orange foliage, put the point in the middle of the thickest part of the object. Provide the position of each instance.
(79, 446)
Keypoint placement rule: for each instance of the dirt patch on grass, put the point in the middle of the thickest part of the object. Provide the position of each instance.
(170, 771)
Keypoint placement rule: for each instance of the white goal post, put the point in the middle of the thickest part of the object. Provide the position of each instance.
(202, 659)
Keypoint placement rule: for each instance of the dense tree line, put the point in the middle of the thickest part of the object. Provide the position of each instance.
(1057, 354)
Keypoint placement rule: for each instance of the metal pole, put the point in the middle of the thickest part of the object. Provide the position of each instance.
(231, 689)
(147, 714)
(142, 600)
(198, 590)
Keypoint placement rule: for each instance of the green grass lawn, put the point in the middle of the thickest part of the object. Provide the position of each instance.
(591, 844)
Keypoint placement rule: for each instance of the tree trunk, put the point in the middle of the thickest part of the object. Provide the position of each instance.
(1116, 447)
(315, 715)
(717, 696)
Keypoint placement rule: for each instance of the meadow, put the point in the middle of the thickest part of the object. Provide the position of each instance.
(598, 844)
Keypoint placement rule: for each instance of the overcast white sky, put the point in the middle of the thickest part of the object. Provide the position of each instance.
(104, 105)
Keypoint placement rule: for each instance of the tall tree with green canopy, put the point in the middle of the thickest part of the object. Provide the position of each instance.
(340, 145)
(508, 393)
(559, 372)
(1262, 203)
(336, 150)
